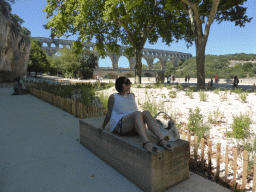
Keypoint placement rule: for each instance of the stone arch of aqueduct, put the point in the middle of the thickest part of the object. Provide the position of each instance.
(148, 54)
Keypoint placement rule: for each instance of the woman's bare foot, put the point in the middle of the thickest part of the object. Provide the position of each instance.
(149, 147)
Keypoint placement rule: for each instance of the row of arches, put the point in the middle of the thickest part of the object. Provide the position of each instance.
(146, 53)
(124, 63)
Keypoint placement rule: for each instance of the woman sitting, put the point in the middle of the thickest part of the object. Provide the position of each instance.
(125, 118)
(19, 85)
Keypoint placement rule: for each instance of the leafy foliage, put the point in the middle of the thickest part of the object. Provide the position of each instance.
(241, 127)
(220, 65)
(38, 60)
(196, 125)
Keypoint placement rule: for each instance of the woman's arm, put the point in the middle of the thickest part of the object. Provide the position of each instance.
(111, 100)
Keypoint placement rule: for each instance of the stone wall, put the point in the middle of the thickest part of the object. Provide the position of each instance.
(14, 48)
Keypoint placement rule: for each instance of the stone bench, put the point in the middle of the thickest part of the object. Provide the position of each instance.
(23, 91)
(150, 172)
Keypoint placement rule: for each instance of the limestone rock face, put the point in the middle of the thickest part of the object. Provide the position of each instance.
(14, 48)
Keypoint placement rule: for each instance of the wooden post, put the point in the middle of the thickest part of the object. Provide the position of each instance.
(226, 164)
(218, 162)
(202, 153)
(235, 166)
(189, 139)
(254, 175)
(73, 107)
(183, 135)
(209, 157)
(195, 150)
(66, 106)
(69, 106)
(245, 166)
(79, 110)
(55, 100)
(85, 111)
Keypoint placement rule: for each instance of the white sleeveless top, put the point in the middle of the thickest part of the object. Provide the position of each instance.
(123, 105)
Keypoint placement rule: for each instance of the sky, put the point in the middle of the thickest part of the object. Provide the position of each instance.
(224, 38)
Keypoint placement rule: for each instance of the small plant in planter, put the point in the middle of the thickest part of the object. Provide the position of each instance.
(203, 95)
(243, 96)
(172, 94)
(190, 94)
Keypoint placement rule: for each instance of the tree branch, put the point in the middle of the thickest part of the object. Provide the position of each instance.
(196, 16)
(210, 20)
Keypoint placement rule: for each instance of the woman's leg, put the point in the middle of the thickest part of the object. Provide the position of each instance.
(153, 127)
(135, 120)
(152, 124)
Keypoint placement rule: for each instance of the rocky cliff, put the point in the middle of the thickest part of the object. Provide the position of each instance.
(14, 48)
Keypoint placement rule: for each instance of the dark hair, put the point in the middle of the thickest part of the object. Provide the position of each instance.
(119, 83)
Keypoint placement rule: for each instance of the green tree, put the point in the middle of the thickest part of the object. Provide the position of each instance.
(204, 12)
(88, 62)
(144, 67)
(69, 62)
(109, 21)
(38, 60)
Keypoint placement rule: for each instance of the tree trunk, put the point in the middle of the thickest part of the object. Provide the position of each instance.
(200, 61)
(138, 66)
(36, 74)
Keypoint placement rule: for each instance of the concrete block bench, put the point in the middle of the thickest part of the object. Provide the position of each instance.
(150, 172)
(23, 91)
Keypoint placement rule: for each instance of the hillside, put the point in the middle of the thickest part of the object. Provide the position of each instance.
(225, 66)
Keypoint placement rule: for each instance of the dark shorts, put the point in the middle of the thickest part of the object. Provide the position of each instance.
(118, 129)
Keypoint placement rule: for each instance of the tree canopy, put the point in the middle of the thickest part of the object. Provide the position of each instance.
(38, 60)
(111, 21)
(203, 13)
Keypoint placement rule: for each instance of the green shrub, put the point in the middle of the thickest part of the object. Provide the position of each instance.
(212, 118)
(223, 96)
(196, 125)
(203, 95)
(110, 76)
(243, 96)
(190, 94)
(148, 75)
(216, 91)
(238, 90)
(139, 85)
(129, 75)
(172, 94)
(241, 126)
(152, 107)
(148, 86)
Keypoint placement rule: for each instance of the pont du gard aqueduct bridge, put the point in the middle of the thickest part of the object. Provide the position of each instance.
(52, 46)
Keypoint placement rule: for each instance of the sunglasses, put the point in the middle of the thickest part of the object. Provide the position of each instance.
(127, 83)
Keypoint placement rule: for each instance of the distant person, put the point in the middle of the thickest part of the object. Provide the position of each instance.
(168, 79)
(173, 78)
(211, 82)
(235, 82)
(186, 78)
(216, 78)
(156, 78)
(67, 76)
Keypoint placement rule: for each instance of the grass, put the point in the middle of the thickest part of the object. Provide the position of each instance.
(172, 94)
(190, 93)
(203, 95)
(224, 95)
(216, 115)
(243, 96)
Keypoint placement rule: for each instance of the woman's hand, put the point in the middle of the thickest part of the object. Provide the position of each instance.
(100, 130)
